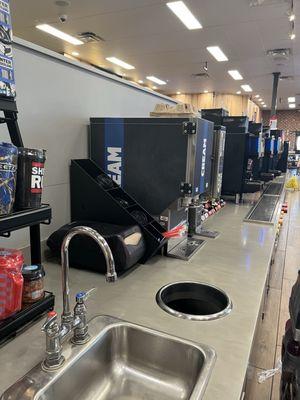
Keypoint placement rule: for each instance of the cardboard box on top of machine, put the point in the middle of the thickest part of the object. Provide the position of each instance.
(179, 110)
(7, 78)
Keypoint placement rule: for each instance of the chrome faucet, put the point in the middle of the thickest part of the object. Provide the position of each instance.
(77, 321)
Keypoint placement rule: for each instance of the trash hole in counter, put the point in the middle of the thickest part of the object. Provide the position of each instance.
(194, 301)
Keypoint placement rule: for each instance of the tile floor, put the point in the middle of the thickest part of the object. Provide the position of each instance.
(267, 343)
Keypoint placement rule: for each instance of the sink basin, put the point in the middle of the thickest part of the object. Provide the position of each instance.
(122, 361)
(194, 301)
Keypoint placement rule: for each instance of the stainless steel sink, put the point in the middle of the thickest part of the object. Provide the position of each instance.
(122, 361)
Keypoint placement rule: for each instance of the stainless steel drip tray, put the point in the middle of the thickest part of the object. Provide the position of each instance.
(264, 211)
(122, 361)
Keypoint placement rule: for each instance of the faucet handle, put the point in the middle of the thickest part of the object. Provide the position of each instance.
(81, 297)
(51, 319)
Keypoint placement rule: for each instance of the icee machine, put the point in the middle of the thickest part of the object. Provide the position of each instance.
(164, 163)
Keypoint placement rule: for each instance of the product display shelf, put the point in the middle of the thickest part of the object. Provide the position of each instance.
(23, 219)
(15, 324)
(29, 218)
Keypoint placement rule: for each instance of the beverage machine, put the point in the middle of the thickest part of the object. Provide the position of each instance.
(243, 153)
(165, 164)
(273, 151)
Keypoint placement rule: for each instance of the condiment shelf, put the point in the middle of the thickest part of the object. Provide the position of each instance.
(11, 326)
(23, 219)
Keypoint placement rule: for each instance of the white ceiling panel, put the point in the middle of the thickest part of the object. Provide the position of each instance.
(146, 34)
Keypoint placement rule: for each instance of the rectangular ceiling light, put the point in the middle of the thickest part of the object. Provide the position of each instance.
(234, 73)
(59, 34)
(184, 14)
(216, 52)
(156, 80)
(246, 88)
(292, 105)
(292, 99)
(119, 62)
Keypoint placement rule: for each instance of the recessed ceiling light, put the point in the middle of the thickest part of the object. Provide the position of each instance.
(292, 36)
(120, 63)
(292, 105)
(140, 81)
(264, 105)
(154, 87)
(261, 100)
(216, 52)
(257, 96)
(238, 92)
(75, 53)
(246, 88)
(234, 73)
(178, 92)
(59, 34)
(156, 80)
(291, 99)
(184, 14)
(205, 91)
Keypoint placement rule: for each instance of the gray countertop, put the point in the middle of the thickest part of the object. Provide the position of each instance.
(237, 261)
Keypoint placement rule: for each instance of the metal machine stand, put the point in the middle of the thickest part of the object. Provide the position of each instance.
(195, 223)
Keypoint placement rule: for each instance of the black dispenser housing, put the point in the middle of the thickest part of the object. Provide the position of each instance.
(96, 197)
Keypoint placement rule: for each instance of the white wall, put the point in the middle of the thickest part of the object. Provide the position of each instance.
(55, 101)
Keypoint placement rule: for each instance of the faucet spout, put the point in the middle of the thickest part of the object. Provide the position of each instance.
(111, 275)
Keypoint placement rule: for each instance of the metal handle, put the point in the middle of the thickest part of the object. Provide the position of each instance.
(51, 318)
(84, 295)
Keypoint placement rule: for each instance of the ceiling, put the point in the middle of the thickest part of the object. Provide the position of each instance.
(146, 34)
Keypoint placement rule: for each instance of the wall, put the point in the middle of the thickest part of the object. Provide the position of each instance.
(55, 100)
(289, 121)
(235, 104)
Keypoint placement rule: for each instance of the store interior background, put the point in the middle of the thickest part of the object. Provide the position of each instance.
(54, 109)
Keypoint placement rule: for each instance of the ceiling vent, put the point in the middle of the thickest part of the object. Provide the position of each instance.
(256, 3)
(90, 37)
(201, 75)
(279, 54)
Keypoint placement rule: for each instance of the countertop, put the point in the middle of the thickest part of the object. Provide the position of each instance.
(237, 262)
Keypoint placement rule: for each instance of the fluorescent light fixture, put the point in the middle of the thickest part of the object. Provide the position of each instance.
(205, 91)
(184, 14)
(140, 81)
(234, 73)
(156, 80)
(292, 99)
(246, 88)
(75, 53)
(178, 92)
(59, 34)
(216, 52)
(257, 96)
(238, 92)
(120, 63)
(292, 105)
